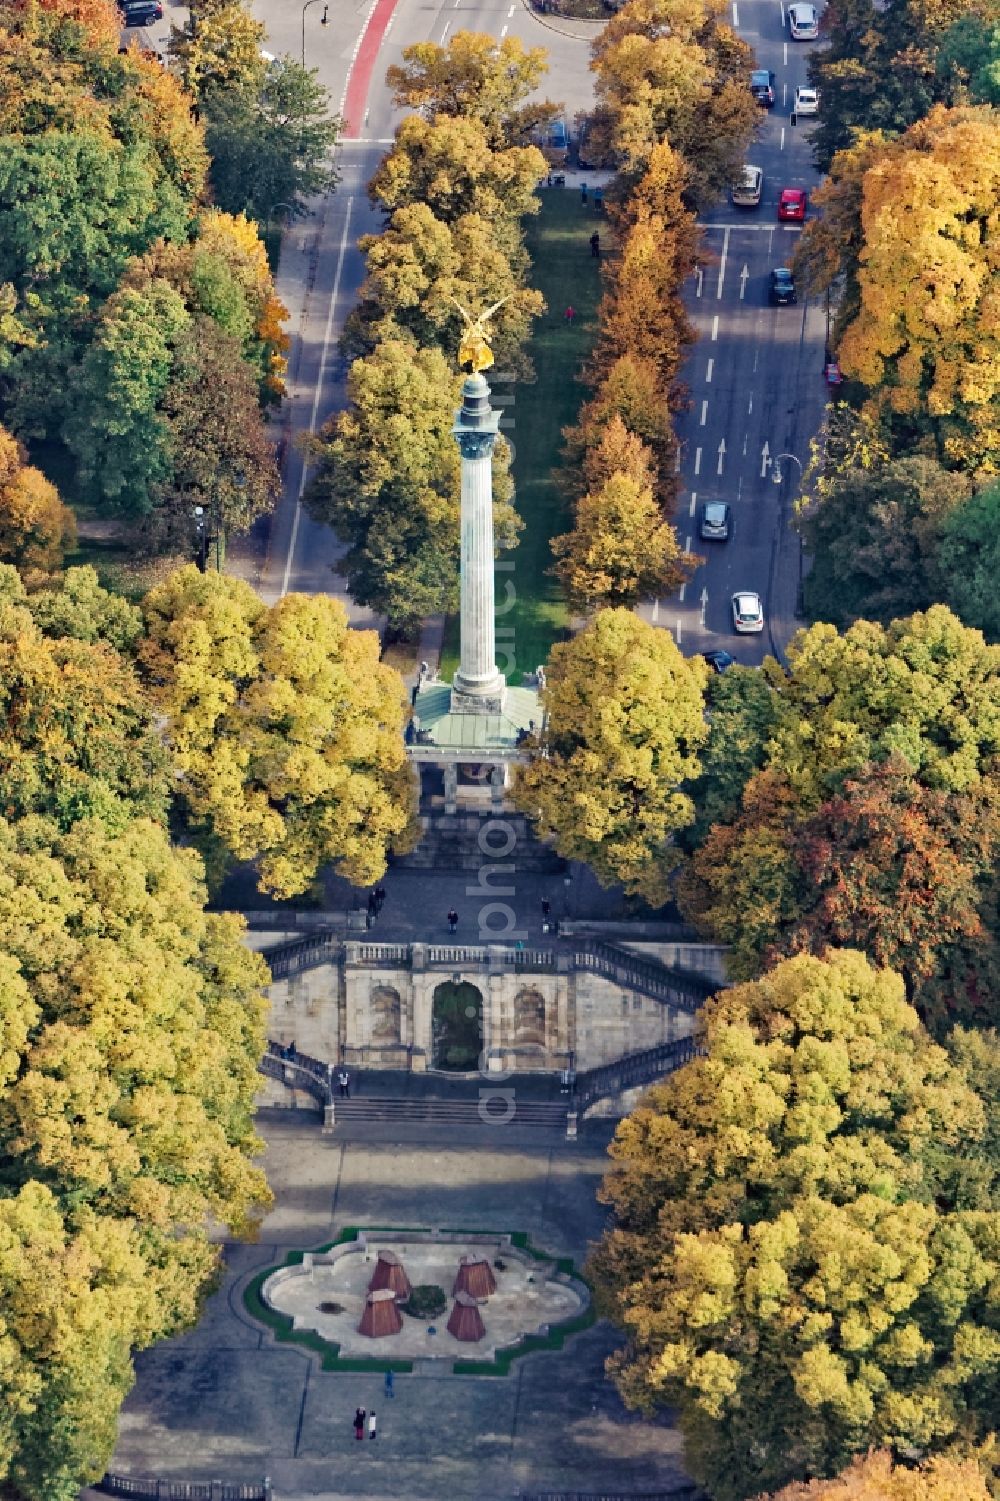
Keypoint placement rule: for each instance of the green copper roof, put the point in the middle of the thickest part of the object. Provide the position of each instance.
(476, 731)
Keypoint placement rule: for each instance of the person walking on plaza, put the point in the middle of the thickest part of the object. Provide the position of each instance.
(452, 921)
(359, 1422)
(595, 245)
(389, 1384)
(379, 898)
(598, 199)
(344, 1080)
(371, 1425)
(570, 314)
(583, 192)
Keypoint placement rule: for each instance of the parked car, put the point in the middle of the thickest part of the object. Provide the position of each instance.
(781, 287)
(762, 86)
(716, 521)
(140, 12)
(803, 22)
(746, 193)
(719, 660)
(792, 204)
(558, 136)
(806, 102)
(748, 613)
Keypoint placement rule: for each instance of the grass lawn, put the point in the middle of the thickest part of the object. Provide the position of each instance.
(566, 274)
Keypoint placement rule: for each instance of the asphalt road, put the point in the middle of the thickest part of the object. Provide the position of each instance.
(755, 376)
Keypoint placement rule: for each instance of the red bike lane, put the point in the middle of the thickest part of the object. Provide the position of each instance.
(363, 66)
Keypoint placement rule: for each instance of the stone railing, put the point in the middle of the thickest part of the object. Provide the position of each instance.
(644, 1067)
(142, 1489)
(299, 1071)
(635, 972)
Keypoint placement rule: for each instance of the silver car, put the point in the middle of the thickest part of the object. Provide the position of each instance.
(803, 23)
(748, 613)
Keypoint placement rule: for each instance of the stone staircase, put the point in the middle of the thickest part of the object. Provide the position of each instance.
(451, 841)
(491, 1110)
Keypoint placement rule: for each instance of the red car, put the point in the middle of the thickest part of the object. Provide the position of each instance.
(792, 204)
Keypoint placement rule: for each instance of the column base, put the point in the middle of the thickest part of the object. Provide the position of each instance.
(483, 698)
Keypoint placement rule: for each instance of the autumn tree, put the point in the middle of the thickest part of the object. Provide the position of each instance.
(219, 50)
(75, 604)
(620, 549)
(925, 346)
(475, 77)
(672, 69)
(878, 1478)
(795, 1255)
(133, 1023)
(285, 729)
(419, 268)
(629, 389)
(36, 528)
(624, 724)
(388, 482)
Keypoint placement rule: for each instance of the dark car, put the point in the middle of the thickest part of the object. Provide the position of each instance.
(781, 290)
(719, 661)
(762, 86)
(140, 12)
(716, 521)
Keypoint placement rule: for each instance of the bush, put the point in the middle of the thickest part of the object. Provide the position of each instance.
(427, 1301)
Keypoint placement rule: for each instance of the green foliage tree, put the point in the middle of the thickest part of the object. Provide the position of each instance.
(620, 549)
(76, 605)
(271, 141)
(114, 429)
(475, 77)
(218, 50)
(968, 560)
(741, 711)
(285, 729)
(388, 482)
(874, 536)
(794, 1256)
(624, 725)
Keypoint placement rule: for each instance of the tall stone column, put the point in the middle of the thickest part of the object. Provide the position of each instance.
(478, 686)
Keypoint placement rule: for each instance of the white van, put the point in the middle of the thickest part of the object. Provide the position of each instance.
(746, 193)
(803, 23)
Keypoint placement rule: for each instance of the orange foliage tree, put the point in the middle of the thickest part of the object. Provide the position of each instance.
(36, 528)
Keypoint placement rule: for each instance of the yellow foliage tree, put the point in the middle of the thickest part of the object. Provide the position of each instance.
(36, 528)
(620, 549)
(877, 1478)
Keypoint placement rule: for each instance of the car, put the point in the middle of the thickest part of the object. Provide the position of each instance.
(141, 12)
(792, 204)
(719, 661)
(746, 193)
(558, 136)
(748, 613)
(716, 521)
(762, 86)
(781, 287)
(803, 23)
(806, 102)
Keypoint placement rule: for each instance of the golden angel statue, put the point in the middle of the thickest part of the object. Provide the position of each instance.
(474, 349)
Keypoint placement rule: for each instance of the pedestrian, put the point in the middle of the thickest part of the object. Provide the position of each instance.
(598, 199)
(452, 921)
(389, 1384)
(371, 1425)
(379, 897)
(570, 314)
(372, 903)
(583, 192)
(344, 1081)
(369, 918)
(359, 1422)
(546, 906)
(595, 245)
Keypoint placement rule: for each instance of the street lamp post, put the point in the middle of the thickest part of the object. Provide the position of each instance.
(324, 21)
(199, 522)
(776, 472)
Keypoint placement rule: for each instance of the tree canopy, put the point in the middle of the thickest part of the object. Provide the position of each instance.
(805, 1244)
(475, 77)
(624, 725)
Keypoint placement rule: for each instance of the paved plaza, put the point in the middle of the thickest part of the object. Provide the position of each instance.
(226, 1402)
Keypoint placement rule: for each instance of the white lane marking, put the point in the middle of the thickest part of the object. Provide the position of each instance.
(755, 354)
(765, 459)
(503, 31)
(694, 497)
(744, 275)
(697, 461)
(704, 413)
(388, 24)
(736, 17)
(750, 408)
(781, 143)
(708, 372)
(704, 604)
(698, 285)
(722, 262)
(715, 328)
(682, 591)
(722, 455)
(687, 544)
(367, 141)
(511, 11)
(656, 611)
(318, 391)
(746, 438)
(784, 53)
(739, 488)
(784, 95)
(447, 28)
(677, 460)
(678, 633)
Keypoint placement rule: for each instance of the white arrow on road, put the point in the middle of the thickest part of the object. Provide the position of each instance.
(722, 455)
(765, 459)
(656, 610)
(697, 285)
(704, 604)
(744, 277)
